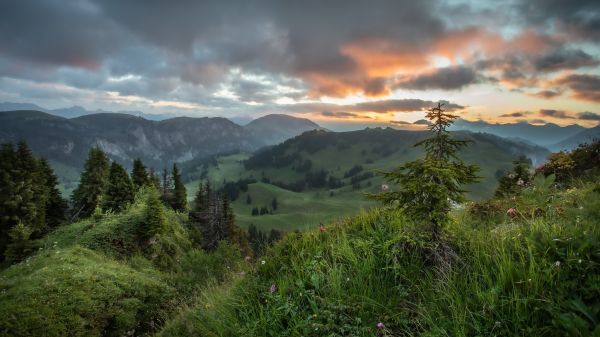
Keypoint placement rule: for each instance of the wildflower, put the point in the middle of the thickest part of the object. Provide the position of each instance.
(263, 262)
(529, 280)
(557, 264)
(385, 187)
(380, 326)
(520, 182)
(497, 324)
(511, 176)
(348, 279)
(273, 288)
(511, 212)
(579, 261)
(322, 228)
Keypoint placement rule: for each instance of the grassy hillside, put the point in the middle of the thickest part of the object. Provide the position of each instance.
(95, 278)
(337, 154)
(535, 274)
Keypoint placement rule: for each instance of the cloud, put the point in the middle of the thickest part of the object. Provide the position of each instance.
(339, 114)
(516, 114)
(584, 87)
(448, 78)
(588, 116)
(561, 59)
(547, 94)
(555, 113)
(400, 122)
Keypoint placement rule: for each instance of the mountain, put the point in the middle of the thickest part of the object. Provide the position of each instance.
(124, 137)
(77, 111)
(572, 142)
(544, 135)
(276, 128)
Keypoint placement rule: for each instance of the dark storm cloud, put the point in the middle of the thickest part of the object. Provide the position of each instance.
(564, 59)
(588, 116)
(579, 18)
(555, 113)
(448, 78)
(58, 33)
(584, 87)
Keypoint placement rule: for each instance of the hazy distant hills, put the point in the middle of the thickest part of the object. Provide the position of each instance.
(584, 136)
(77, 111)
(276, 128)
(545, 135)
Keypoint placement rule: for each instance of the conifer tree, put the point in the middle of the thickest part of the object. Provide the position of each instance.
(179, 197)
(274, 204)
(20, 244)
(155, 220)
(139, 174)
(428, 187)
(56, 205)
(92, 184)
(120, 190)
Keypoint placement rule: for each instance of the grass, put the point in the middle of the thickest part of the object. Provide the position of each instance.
(310, 207)
(537, 274)
(96, 278)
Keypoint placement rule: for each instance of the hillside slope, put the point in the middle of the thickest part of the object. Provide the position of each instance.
(372, 276)
(276, 128)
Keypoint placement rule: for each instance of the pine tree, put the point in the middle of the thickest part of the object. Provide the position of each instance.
(120, 190)
(155, 220)
(56, 205)
(20, 245)
(428, 187)
(248, 199)
(513, 182)
(92, 184)
(274, 204)
(139, 174)
(179, 198)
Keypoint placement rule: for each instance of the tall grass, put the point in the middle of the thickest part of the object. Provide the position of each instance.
(535, 274)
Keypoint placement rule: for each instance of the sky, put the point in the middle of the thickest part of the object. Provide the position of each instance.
(341, 63)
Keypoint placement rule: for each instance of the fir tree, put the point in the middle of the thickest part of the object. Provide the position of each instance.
(274, 204)
(179, 197)
(139, 174)
(20, 245)
(428, 187)
(513, 182)
(56, 205)
(120, 190)
(92, 184)
(248, 199)
(155, 220)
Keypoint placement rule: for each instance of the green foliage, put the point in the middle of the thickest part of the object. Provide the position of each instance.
(155, 222)
(512, 183)
(179, 197)
(92, 184)
(120, 190)
(139, 175)
(28, 196)
(20, 245)
(520, 276)
(428, 187)
(77, 292)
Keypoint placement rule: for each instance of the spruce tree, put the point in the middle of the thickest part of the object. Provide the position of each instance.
(120, 190)
(274, 204)
(20, 245)
(428, 187)
(56, 205)
(139, 174)
(92, 184)
(155, 220)
(179, 197)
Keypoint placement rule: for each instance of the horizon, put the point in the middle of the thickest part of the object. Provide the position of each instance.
(342, 65)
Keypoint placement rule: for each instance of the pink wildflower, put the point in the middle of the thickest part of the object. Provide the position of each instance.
(273, 288)
(511, 212)
(380, 326)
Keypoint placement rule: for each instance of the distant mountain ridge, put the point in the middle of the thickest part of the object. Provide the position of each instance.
(545, 135)
(125, 137)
